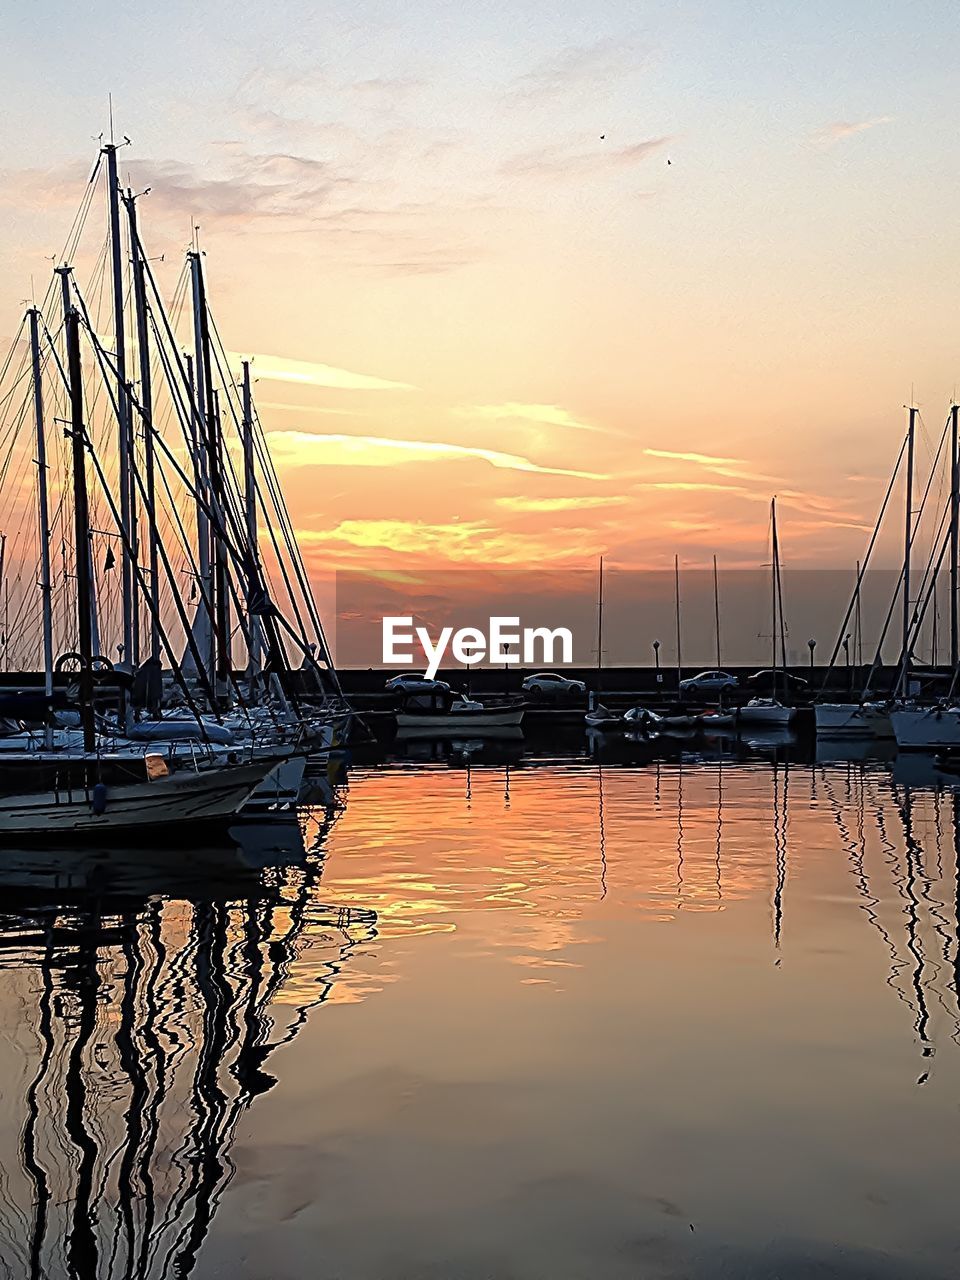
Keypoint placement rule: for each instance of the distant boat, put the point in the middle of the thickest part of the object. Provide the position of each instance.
(454, 717)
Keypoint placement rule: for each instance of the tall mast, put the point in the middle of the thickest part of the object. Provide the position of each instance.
(773, 587)
(716, 607)
(250, 506)
(599, 627)
(131, 641)
(954, 536)
(64, 273)
(44, 524)
(907, 539)
(220, 649)
(81, 520)
(146, 408)
(676, 585)
(205, 637)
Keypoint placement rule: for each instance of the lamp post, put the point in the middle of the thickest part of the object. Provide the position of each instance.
(811, 644)
(656, 659)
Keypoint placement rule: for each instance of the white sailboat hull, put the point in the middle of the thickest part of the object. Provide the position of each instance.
(926, 728)
(766, 714)
(474, 721)
(180, 800)
(852, 720)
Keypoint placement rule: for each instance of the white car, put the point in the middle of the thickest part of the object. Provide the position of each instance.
(415, 682)
(549, 685)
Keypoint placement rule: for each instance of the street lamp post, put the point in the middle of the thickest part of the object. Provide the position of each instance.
(656, 659)
(812, 644)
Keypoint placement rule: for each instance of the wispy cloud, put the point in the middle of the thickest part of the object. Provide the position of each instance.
(366, 217)
(731, 468)
(581, 66)
(308, 373)
(465, 542)
(702, 459)
(551, 415)
(585, 503)
(303, 448)
(837, 130)
(305, 408)
(563, 161)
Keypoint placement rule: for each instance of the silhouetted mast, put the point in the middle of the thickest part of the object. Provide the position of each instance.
(64, 273)
(954, 536)
(250, 507)
(43, 531)
(204, 612)
(907, 539)
(131, 640)
(146, 408)
(81, 529)
(676, 584)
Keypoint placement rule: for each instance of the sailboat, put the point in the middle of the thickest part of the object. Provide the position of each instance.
(187, 739)
(934, 727)
(770, 712)
(870, 718)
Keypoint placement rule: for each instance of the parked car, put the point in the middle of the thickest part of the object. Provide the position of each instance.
(550, 685)
(415, 682)
(710, 682)
(767, 681)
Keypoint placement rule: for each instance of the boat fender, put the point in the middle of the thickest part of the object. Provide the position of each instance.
(99, 799)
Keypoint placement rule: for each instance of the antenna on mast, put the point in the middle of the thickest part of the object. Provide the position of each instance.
(110, 113)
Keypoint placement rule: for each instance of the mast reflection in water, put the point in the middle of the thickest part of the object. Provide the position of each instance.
(157, 996)
(620, 1012)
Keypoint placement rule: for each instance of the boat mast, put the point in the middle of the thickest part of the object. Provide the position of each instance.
(146, 409)
(716, 608)
(676, 592)
(250, 505)
(206, 639)
(599, 629)
(81, 520)
(773, 588)
(64, 273)
(131, 638)
(954, 536)
(220, 669)
(907, 539)
(44, 524)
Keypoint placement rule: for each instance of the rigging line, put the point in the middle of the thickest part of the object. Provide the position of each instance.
(14, 346)
(178, 674)
(863, 567)
(204, 602)
(103, 358)
(900, 579)
(293, 549)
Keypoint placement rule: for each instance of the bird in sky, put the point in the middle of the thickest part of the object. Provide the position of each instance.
(602, 136)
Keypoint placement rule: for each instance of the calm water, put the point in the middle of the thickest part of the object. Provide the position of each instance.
(687, 1018)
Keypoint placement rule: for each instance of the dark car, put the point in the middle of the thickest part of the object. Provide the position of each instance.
(769, 681)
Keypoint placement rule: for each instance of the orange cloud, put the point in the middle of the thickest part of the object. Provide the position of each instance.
(302, 448)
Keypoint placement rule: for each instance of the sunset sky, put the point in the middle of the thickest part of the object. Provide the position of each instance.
(527, 284)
